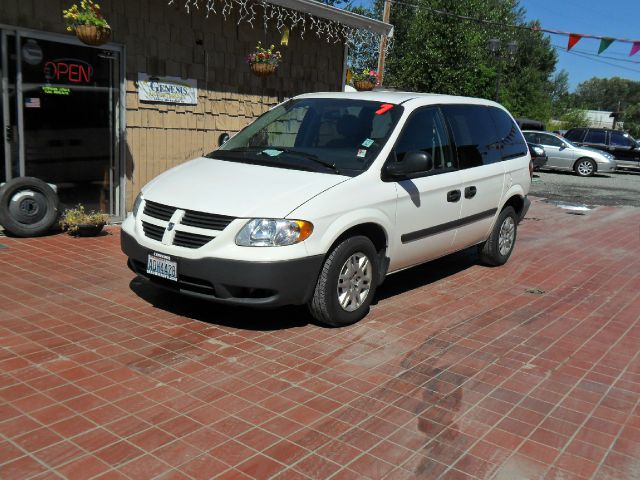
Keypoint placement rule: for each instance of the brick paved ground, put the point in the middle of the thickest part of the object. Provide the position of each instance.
(531, 370)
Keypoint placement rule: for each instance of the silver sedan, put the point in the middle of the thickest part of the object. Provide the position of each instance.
(565, 155)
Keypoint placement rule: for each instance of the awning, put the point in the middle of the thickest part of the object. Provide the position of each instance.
(337, 15)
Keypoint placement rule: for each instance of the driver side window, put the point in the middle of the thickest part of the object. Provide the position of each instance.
(551, 141)
(425, 132)
(620, 140)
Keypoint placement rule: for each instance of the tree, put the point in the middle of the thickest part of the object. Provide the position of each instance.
(559, 93)
(574, 118)
(609, 94)
(439, 53)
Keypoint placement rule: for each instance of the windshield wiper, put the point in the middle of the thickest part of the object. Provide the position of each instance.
(261, 151)
(308, 156)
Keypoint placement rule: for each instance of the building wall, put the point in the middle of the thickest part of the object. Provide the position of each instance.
(165, 40)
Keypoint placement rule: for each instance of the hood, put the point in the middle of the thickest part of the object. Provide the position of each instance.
(237, 189)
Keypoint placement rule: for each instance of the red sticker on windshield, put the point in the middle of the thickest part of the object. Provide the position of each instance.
(384, 108)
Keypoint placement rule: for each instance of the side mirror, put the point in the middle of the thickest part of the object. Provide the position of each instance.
(223, 138)
(563, 146)
(412, 163)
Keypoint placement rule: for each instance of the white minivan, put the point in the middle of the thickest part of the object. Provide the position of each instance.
(323, 196)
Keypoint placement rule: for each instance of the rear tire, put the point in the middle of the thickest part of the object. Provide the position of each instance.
(498, 247)
(346, 284)
(585, 167)
(28, 207)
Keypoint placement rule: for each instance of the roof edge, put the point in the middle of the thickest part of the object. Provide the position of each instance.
(334, 14)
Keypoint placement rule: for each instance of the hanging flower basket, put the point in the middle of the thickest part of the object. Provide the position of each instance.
(92, 35)
(262, 69)
(264, 61)
(363, 85)
(365, 81)
(88, 23)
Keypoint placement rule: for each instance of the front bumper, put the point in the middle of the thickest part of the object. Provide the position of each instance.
(608, 167)
(236, 282)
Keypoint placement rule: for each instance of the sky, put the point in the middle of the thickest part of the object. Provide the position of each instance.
(614, 18)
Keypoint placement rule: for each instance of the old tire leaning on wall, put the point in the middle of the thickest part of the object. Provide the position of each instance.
(28, 207)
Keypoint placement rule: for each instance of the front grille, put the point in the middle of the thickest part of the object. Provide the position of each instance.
(190, 240)
(191, 218)
(159, 211)
(153, 231)
(210, 221)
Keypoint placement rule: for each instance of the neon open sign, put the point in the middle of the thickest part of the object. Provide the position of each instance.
(68, 70)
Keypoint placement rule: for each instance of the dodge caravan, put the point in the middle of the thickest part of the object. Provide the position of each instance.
(323, 196)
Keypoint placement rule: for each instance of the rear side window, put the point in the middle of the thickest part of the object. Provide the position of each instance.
(513, 145)
(474, 135)
(596, 136)
(425, 132)
(575, 134)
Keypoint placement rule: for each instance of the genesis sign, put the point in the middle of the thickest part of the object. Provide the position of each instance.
(167, 89)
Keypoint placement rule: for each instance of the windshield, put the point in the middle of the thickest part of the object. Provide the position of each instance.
(328, 135)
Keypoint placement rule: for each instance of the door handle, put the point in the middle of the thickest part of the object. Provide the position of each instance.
(470, 192)
(453, 196)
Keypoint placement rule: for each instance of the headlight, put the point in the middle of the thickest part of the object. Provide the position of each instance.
(136, 204)
(539, 151)
(264, 232)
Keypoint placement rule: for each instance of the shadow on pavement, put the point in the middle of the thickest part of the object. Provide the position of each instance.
(242, 318)
(267, 319)
(427, 273)
(567, 173)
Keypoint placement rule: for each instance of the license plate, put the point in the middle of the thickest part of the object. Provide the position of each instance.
(162, 266)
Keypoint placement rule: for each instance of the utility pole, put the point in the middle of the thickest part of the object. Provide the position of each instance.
(383, 41)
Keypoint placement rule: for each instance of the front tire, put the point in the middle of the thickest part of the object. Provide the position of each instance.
(346, 284)
(498, 247)
(585, 167)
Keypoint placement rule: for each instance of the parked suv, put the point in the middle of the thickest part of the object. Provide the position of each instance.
(618, 143)
(322, 197)
(565, 155)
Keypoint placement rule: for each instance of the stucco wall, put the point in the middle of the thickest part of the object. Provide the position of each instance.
(165, 40)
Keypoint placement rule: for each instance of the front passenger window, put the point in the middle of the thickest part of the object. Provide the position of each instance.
(425, 132)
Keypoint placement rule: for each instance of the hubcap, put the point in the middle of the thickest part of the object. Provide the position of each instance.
(585, 168)
(28, 206)
(507, 236)
(354, 282)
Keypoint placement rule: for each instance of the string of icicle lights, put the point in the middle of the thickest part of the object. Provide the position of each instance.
(332, 32)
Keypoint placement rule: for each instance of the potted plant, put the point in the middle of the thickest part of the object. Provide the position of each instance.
(365, 80)
(80, 223)
(88, 23)
(263, 61)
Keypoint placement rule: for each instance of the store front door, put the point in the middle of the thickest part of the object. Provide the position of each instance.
(61, 112)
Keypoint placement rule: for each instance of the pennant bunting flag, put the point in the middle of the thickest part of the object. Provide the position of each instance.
(604, 44)
(573, 39)
(635, 49)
